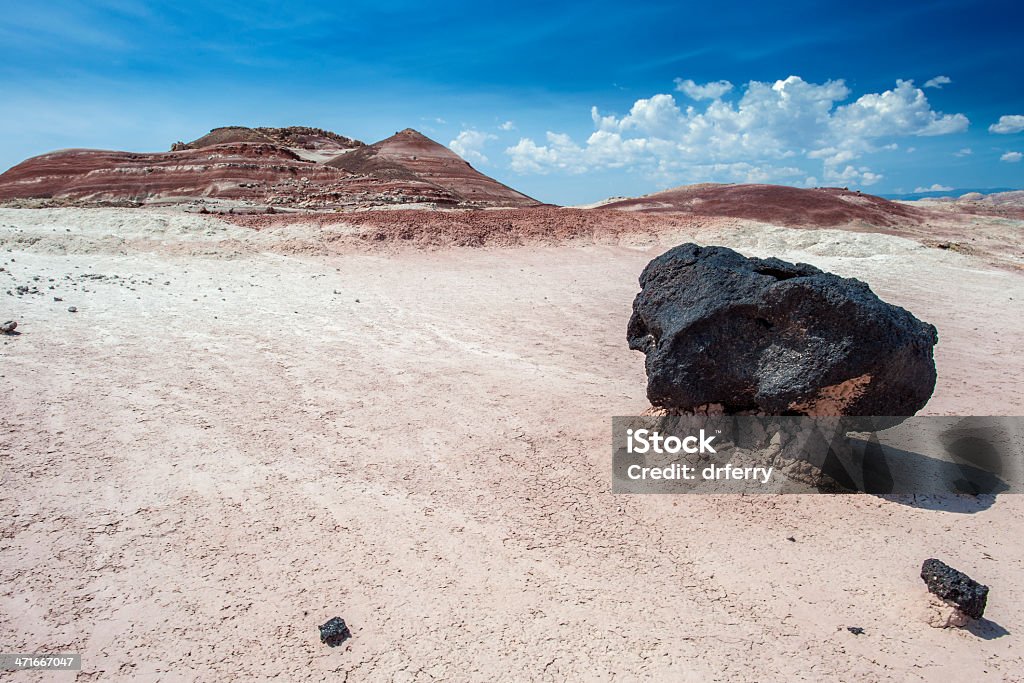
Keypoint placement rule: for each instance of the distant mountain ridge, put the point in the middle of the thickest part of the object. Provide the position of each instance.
(954, 193)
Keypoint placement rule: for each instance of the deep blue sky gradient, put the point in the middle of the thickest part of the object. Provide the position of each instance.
(139, 75)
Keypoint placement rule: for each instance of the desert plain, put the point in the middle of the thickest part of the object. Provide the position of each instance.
(250, 425)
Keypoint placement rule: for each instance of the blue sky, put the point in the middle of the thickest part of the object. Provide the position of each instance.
(569, 102)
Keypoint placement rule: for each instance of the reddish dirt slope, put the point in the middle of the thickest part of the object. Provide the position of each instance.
(253, 172)
(777, 204)
(409, 154)
(265, 167)
(222, 171)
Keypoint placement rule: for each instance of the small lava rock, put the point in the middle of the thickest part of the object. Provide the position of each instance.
(955, 587)
(334, 632)
(72, 309)
(9, 326)
(855, 630)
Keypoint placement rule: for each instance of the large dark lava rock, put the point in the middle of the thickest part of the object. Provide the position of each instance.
(770, 337)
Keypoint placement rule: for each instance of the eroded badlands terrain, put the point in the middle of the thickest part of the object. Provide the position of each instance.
(241, 433)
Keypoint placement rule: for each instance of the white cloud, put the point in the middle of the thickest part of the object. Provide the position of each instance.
(469, 145)
(774, 132)
(938, 82)
(934, 188)
(1011, 157)
(965, 152)
(707, 91)
(852, 176)
(1013, 123)
(508, 125)
(904, 110)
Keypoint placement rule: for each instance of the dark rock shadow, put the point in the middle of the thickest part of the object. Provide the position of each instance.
(949, 502)
(936, 484)
(986, 629)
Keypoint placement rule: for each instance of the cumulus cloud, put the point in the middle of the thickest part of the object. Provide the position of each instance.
(1011, 157)
(1013, 123)
(934, 188)
(773, 133)
(850, 175)
(508, 125)
(965, 152)
(707, 91)
(938, 82)
(560, 153)
(469, 145)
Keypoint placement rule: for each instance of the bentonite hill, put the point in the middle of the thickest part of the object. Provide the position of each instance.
(774, 203)
(295, 167)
